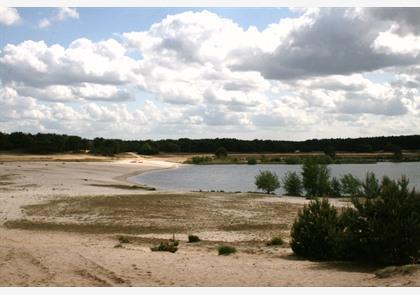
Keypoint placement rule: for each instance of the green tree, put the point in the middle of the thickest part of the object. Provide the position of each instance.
(221, 153)
(371, 187)
(292, 184)
(335, 188)
(350, 185)
(147, 149)
(267, 181)
(315, 178)
(330, 151)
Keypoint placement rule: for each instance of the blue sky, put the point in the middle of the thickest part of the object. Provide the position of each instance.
(298, 74)
(102, 23)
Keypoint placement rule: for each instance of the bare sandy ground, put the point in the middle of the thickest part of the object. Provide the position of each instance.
(72, 258)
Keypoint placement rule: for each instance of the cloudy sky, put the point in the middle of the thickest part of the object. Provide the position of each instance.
(228, 72)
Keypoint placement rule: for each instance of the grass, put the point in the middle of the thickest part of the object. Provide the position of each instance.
(276, 241)
(160, 213)
(397, 270)
(226, 250)
(125, 186)
(193, 239)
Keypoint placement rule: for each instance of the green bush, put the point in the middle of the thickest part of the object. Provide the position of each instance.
(201, 159)
(385, 229)
(276, 241)
(252, 161)
(226, 250)
(193, 239)
(221, 153)
(350, 185)
(371, 187)
(169, 246)
(315, 231)
(148, 149)
(315, 178)
(292, 184)
(335, 188)
(267, 181)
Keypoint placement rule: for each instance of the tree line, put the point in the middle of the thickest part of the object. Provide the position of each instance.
(53, 143)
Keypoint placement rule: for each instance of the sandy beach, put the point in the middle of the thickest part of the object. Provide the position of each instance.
(61, 217)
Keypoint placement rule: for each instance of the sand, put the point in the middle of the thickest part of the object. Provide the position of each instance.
(72, 258)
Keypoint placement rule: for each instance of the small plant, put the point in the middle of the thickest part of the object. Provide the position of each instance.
(221, 153)
(267, 181)
(276, 241)
(226, 250)
(371, 186)
(123, 240)
(350, 185)
(252, 161)
(169, 246)
(193, 239)
(335, 188)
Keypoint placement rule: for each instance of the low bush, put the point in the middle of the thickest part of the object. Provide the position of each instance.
(315, 231)
(169, 246)
(292, 184)
(193, 239)
(276, 241)
(226, 250)
(252, 161)
(201, 159)
(123, 240)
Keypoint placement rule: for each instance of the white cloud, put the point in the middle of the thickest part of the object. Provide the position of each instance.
(9, 16)
(62, 14)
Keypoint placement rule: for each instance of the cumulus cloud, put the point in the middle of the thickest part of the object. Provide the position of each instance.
(62, 14)
(205, 75)
(9, 16)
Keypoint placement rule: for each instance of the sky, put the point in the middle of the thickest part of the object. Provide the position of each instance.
(266, 73)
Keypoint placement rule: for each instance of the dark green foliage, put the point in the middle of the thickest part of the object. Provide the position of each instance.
(371, 187)
(267, 181)
(221, 153)
(350, 186)
(226, 250)
(330, 151)
(315, 231)
(252, 161)
(170, 246)
(276, 241)
(148, 149)
(335, 188)
(193, 239)
(385, 229)
(315, 178)
(201, 159)
(292, 184)
(293, 160)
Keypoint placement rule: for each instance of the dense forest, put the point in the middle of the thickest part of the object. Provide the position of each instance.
(54, 143)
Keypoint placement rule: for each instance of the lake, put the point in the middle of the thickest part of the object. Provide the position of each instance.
(231, 178)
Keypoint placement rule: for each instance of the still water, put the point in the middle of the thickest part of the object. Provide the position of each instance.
(231, 178)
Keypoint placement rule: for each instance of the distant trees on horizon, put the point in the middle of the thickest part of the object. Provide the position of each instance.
(44, 143)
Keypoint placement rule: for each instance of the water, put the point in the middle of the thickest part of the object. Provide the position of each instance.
(241, 177)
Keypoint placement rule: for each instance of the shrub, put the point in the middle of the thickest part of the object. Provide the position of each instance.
(193, 239)
(315, 178)
(350, 185)
(252, 161)
(292, 184)
(276, 241)
(226, 250)
(335, 188)
(371, 187)
(221, 153)
(201, 159)
(147, 149)
(267, 181)
(170, 246)
(385, 229)
(330, 151)
(315, 231)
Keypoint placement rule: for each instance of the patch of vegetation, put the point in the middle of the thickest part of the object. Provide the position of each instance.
(226, 250)
(125, 186)
(315, 178)
(379, 230)
(167, 246)
(397, 270)
(221, 153)
(193, 239)
(267, 181)
(201, 160)
(252, 161)
(276, 241)
(292, 184)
